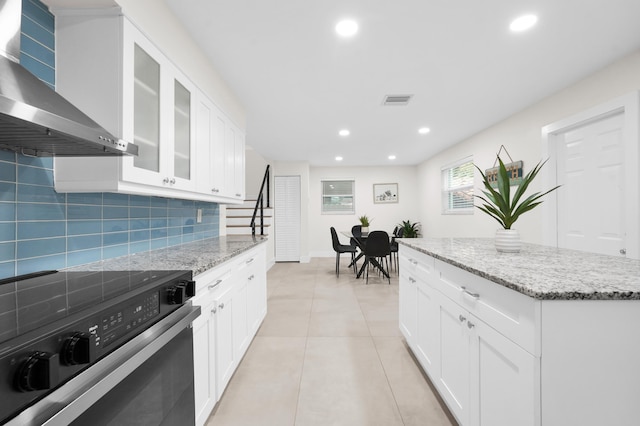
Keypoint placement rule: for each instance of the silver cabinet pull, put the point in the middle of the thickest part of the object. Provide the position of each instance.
(165, 180)
(221, 305)
(474, 295)
(251, 277)
(623, 251)
(470, 325)
(461, 318)
(172, 181)
(214, 310)
(249, 261)
(214, 285)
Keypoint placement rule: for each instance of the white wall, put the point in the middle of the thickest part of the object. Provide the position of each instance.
(521, 134)
(383, 216)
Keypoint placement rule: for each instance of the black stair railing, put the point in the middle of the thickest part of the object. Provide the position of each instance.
(260, 204)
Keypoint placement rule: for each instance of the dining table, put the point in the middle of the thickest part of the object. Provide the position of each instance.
(361, 241)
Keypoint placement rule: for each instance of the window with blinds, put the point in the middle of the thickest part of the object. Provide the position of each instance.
(338, 197)
(457, 187)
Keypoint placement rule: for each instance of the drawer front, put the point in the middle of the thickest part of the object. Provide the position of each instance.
(512, 314)
(417, 264)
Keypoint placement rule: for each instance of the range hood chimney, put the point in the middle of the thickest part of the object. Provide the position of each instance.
(34, 119)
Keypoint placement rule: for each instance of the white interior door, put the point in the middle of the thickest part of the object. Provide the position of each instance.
(590, 168)
(287, 218)
(594, 155)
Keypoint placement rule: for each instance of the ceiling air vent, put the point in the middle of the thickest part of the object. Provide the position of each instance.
(396, 99)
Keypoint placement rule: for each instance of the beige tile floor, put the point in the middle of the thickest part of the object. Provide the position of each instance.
(328, 353)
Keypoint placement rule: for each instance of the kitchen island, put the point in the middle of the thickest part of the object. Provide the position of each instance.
(546, 336)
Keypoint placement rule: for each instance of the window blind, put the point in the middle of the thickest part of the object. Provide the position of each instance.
(457, 192)
(338, 197)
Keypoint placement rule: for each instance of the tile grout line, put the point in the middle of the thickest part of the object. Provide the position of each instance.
(306, 342)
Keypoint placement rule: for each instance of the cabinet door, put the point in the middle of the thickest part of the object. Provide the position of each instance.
(144, 91)
(256, 290)
(225, 354)
(454, 356)
(408, 306)
(240, 321)
(180, 170)
(204, 363)
(504, 379)
(428, 328)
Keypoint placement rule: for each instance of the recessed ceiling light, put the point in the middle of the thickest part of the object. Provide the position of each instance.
(424, 130)
(347, 28)
(392, 157)
(344, 132)
(338, 158)
(523, 23)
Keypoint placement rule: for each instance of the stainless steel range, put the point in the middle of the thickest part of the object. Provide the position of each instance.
(97, 348)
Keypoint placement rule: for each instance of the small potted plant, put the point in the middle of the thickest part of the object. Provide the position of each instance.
(409, 230)
(364, 221)
(506, 210)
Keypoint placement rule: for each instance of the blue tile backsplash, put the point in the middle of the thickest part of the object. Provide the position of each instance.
(42, 229)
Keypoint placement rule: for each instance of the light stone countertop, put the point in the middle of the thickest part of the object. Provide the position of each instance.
(197, 256)
(541, 272)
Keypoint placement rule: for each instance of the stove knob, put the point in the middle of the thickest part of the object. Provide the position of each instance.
(38, 372)
(190, 287)
(176, 295)
(80, 348)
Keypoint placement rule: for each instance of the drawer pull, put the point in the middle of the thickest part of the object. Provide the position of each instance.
(412, 280)
(214, 285)
(249, 261)
(474, 295)
(214, 310)
(470, 325)
(461, 318)
(221, 305)
(251, 277)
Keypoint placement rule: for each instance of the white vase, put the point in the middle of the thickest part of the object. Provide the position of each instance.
(508, 241)
(365, 230)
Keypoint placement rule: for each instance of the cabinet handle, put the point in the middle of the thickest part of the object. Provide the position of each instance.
(251, 277)
(461, 318)
(470, 325)
(214, 310)
(249, 261)
(221, 305)
(216, 190)
(172, 181)
(474, 295)
(237, 195)
(412, 280)
(214, 285)
(165, 180)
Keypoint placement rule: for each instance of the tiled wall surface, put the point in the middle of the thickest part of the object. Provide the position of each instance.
(42, 229)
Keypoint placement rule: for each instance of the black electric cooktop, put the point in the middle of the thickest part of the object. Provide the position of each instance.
(31, 301)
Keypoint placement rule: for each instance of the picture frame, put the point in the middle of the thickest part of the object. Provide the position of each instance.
(385, 193)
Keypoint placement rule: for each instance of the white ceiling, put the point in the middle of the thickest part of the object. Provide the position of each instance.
(300, 83)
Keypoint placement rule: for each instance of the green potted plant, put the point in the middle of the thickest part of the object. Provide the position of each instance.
(364, 221)
(409, 230)
(506, 210)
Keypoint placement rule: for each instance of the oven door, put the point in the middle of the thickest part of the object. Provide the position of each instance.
(147, 381)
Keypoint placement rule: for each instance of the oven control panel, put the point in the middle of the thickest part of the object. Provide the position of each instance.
(115, 324)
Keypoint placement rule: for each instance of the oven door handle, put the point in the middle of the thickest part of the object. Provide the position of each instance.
(73, 398)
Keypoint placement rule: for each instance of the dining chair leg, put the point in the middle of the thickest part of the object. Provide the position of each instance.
(337, 264)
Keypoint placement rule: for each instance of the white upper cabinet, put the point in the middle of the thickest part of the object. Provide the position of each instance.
(218, 161)
(111, 71)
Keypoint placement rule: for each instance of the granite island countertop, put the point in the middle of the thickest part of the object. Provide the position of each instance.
(541, 272)
(197, 256)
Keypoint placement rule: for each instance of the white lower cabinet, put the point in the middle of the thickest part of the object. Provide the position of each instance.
(484, 377)
(233, 307)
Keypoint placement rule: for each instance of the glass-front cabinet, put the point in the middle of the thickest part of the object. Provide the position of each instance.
(126, 84)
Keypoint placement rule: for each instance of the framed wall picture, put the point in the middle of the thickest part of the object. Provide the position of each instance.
(384, 193)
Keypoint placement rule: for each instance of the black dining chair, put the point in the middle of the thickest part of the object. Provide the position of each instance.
(393, 256)
(340, 249)
(376, 250)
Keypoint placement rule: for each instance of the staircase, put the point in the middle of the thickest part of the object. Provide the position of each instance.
(239, 219)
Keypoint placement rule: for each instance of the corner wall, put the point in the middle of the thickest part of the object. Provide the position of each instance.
(521, 135)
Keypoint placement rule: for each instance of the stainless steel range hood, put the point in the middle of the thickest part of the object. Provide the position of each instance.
(34, 119)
